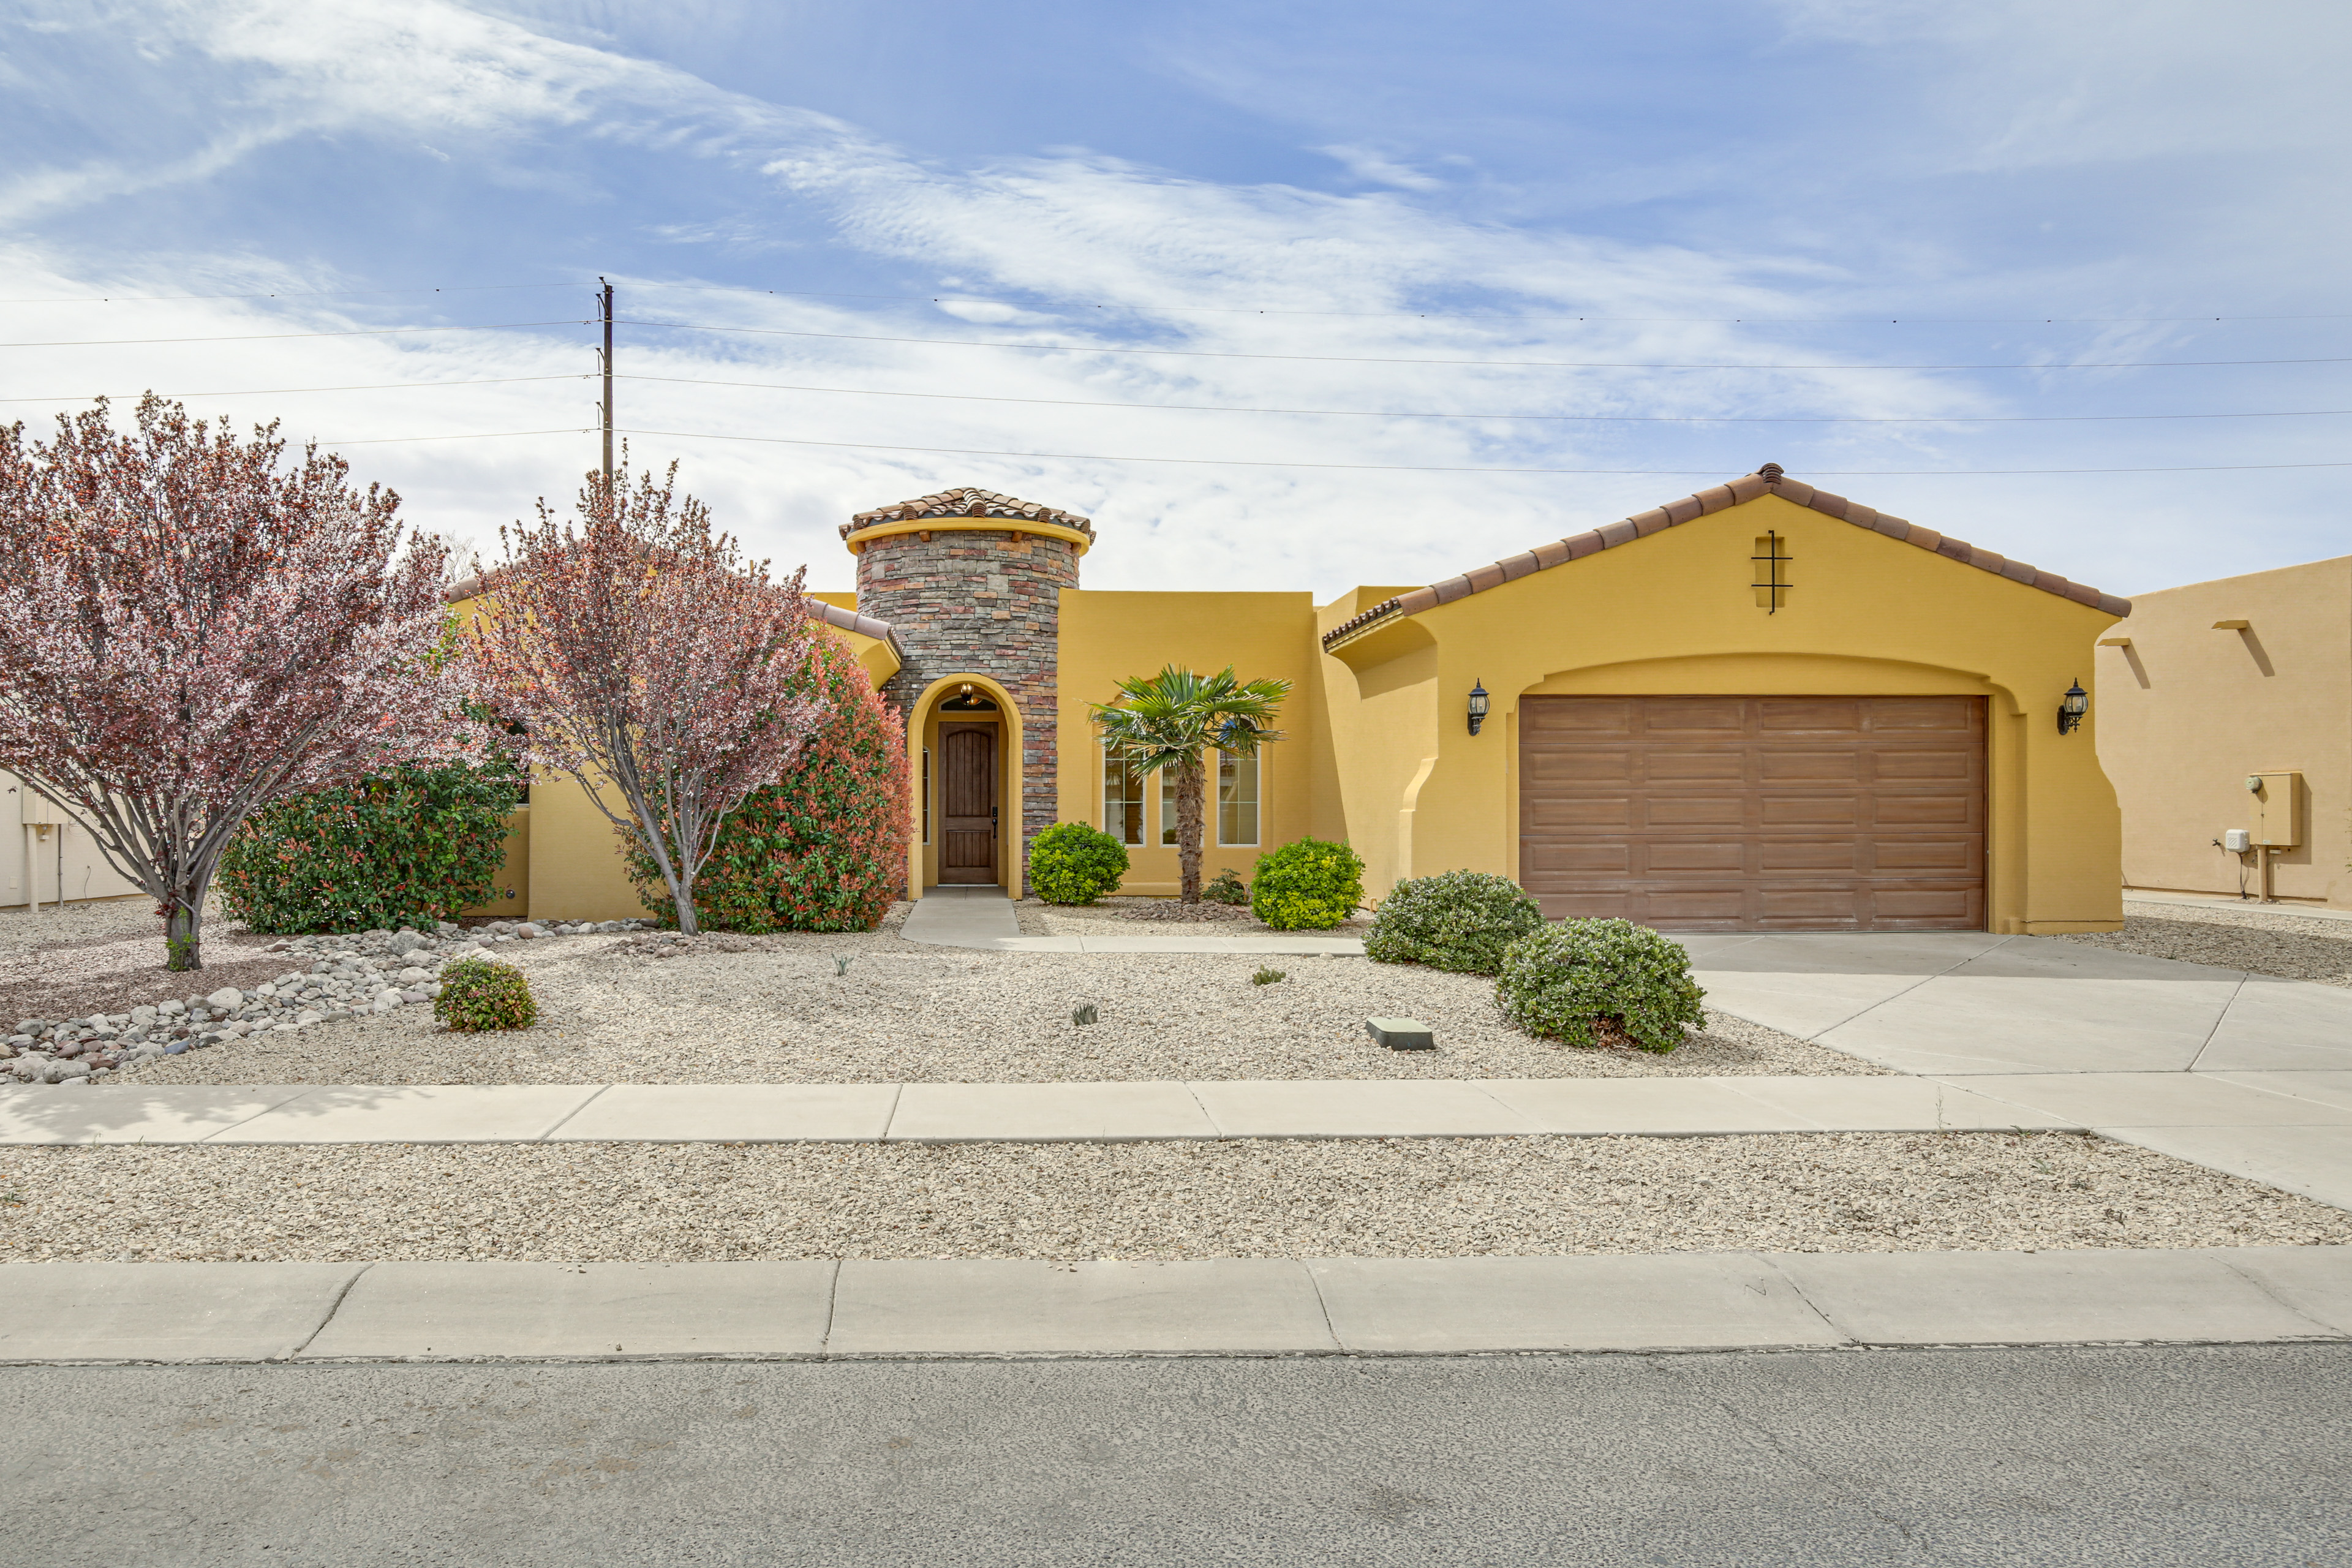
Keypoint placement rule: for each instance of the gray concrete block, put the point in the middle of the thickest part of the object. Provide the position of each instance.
(2314, 1280)
(426, 1113)
(1012, 1307)
(1046, 1112)
(2041, 1297)
(132, 1112)
(734, 1113)
(164, 1312)
(1357, 1108)
(1402, 1034)
(463, 1310)
(1667, 1302)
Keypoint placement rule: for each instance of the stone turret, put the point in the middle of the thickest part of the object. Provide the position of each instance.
(970, 581)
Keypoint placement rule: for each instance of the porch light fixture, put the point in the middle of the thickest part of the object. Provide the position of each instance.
(2071, 709)
(1477, 706)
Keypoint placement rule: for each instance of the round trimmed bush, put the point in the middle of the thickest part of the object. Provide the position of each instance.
(1311, 885)
(1459, 921)
(1562, 981)
(1071, 863)
(479, 994)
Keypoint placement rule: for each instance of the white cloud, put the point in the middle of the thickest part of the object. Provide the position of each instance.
(1377, 169)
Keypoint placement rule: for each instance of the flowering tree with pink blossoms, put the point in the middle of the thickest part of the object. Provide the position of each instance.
(192, 628)
(646, 658)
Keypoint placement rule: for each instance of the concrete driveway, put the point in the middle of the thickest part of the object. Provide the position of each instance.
(1961, 1003)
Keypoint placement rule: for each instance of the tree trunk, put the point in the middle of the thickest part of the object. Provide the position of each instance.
(682, 892)
(184, 936)
(1191, 779)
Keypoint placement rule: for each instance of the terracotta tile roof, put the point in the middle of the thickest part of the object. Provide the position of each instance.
(818, 610)
(967, 502)
(1769, 479)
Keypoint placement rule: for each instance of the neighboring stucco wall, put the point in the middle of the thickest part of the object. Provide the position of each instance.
(2191, 710)
(1675, 613)
(514, 872)
(30, 855)
(576, 871)
(1108, 636)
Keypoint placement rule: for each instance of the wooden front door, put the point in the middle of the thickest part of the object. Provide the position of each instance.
(1756, 813)
(968, 805)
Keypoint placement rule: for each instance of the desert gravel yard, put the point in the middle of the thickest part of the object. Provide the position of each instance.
(1243, 1198)
(774, 1010)
(2292, 947)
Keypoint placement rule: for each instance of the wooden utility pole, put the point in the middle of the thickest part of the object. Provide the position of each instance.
(604, 301)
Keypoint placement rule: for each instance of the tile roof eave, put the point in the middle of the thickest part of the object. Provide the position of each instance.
(1767, 480)
(818, 610)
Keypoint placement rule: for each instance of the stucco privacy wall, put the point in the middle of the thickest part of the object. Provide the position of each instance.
(1675, 612)
(41, 852)
(1108, 636)
(2192, 707)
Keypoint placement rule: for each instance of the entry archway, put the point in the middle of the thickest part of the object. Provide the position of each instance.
(964, 739)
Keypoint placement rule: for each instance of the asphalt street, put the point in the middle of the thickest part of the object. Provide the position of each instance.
(2235, 1454)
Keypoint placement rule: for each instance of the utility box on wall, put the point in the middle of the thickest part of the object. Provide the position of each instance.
(2278, 809)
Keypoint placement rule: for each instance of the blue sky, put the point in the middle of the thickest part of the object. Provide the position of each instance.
(1296, 208)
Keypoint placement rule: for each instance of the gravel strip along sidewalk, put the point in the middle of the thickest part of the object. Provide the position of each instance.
(2265, 941)
(773, 1010)
(1364, 1197)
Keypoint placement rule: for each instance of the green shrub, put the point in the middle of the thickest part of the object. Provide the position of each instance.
(1071, 863)
(1227, 888)
(1562, 981)
(1265, 976)
(1460, 921)
(483, 994)
(824, 847)
(408, 848)
(1311, 885)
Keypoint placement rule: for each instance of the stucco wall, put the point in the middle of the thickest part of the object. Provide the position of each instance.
(1675, 612)
(30, 858)
(2189, 710)
(1107, 637)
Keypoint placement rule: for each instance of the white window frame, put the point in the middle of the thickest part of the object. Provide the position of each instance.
(1257, 803)
(1142, 804)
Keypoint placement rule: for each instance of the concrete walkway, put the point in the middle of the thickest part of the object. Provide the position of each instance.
(983, 918)
(866, 1308)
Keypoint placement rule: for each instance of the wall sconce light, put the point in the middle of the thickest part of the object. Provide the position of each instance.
(1477, 706)
(2071, 709)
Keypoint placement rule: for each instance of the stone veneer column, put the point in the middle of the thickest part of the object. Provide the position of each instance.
(979, 602)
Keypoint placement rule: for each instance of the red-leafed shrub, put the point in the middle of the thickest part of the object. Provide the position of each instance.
(824, 847)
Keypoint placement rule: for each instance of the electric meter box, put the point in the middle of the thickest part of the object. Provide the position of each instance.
(2278, 809)
(35, 809)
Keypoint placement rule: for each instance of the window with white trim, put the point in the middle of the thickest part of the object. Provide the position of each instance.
(1237, 796)
(1122, 799)
(1167, 806)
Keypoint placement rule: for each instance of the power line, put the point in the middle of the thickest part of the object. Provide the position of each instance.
(1220, 408)
(1432, 468)
(462, 436)
(1491, 364)
(1206, 310)
(1417, 413)
(288, 391)
(302, 294)
(273, 337)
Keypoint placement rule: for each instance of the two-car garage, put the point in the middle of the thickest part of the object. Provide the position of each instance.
(1730, 812)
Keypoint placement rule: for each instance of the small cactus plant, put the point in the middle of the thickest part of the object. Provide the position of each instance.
(1085, 1013)
(1265, 977)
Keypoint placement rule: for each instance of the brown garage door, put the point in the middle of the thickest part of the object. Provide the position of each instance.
(1756, 813)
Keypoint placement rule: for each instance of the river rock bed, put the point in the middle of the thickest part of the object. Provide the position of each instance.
(345, 976)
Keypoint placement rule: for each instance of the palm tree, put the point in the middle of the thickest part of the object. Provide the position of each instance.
(1170, 721)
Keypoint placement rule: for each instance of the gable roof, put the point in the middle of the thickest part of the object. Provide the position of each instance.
(965, 502)
(1767, 480)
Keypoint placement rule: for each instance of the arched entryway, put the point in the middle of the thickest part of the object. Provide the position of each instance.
(963, 752)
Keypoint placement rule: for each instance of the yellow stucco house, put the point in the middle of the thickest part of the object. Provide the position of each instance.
(1762, 707)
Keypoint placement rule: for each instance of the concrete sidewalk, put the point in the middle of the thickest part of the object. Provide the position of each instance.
(1051, 1113)
(983, 918)
(869, 1309)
